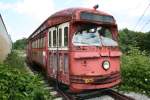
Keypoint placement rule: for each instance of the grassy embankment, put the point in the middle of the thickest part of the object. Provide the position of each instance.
(16, 83)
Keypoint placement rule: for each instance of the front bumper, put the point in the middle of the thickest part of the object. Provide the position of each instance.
(95, 82)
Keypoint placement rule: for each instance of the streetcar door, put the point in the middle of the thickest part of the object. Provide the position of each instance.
(63, 37)
(63, 30)
(58, 52)
(52, 54)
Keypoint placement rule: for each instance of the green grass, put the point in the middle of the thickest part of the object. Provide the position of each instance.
(16, 83)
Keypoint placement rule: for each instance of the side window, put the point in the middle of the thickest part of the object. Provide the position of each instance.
(39, 42)
(32, 44)
(36, 43)
(66, 36)
(43, 42)
(60, 37)
(54, 38)
(50, 44)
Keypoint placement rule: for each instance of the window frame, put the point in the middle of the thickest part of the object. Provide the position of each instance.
(50, 32)
(66, 45)
(60, 40)
(62, 46)
(55, 40)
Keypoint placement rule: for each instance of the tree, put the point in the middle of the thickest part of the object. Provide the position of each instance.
(128, 39)
(20, 44)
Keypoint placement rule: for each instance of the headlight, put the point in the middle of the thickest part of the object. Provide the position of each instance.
(106, 65)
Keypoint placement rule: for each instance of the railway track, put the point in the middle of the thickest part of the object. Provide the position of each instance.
(87, 95)
(65, 96)
(91, 95)
(117, 95)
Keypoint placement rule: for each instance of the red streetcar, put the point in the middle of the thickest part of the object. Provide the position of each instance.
(78, 47)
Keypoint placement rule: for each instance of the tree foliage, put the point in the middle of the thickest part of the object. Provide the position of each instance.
(128, 39)
(145, 43)
(20, 44)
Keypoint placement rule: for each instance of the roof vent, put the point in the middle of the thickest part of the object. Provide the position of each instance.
(96, 7)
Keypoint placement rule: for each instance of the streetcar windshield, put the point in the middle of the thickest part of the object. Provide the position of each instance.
(96, 36)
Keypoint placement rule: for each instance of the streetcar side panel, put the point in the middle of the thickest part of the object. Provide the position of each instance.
(37, 49)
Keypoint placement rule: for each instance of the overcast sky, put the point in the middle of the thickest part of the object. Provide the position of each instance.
(22, 17)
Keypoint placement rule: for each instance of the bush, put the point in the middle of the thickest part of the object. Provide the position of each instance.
(15, 61)
(17, 84)
(136, 72)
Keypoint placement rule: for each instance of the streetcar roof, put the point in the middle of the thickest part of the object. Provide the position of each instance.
(67, 13)
(73, 11)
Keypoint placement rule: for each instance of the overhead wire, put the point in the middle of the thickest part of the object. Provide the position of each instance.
(142, 15)
(148, 22)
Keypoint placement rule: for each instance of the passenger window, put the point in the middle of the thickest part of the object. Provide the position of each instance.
(54, 38)
(43, 42)
(66, 36)
(36, 44)
(39, 43)
(50, 39)
(60, 37)
(32, 44)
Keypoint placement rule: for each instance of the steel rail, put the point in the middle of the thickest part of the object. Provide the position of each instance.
(65, 95)
(117, 96)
